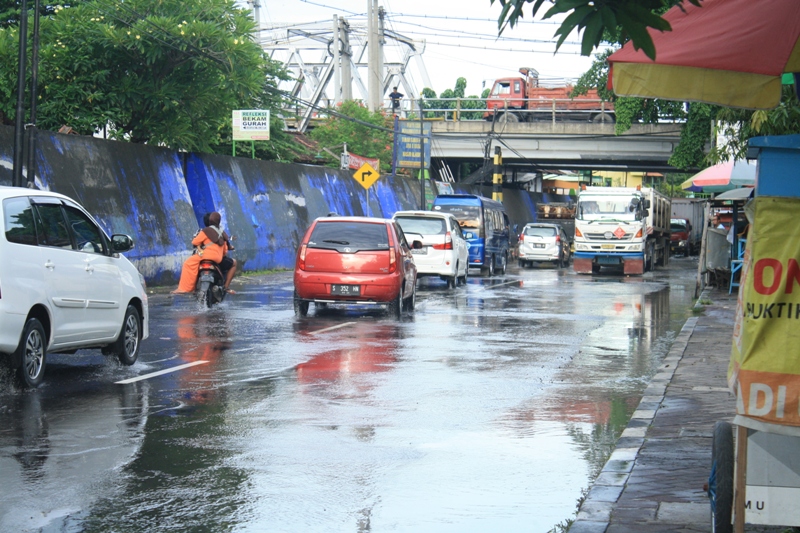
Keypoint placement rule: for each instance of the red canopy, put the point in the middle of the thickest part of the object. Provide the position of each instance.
(727, 52)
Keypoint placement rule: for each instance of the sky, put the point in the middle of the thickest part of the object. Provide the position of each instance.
(461, 39)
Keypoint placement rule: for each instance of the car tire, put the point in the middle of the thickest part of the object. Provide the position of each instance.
(395, 307)
(490, 268)
(411, 301)
(126, 347)
(503, 266)
(452, 281)
(32, 354)
(521, 263)
(720, 482)
(300, 306)
(463, 279)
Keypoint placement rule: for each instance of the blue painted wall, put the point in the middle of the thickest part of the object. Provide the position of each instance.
(159, 196)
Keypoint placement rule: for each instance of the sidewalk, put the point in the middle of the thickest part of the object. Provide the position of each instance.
(653, 481)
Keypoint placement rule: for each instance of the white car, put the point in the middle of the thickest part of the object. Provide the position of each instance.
(444, 252)
(544, 242)
(63, 284)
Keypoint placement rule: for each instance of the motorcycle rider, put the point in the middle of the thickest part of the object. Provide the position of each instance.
(228, 264)
(210, 244)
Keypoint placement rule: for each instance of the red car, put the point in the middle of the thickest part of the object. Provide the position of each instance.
(355, 260)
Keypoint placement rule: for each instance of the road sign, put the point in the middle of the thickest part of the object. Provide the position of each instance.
(366, 175)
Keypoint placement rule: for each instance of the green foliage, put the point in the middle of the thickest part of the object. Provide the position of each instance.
(162, 72)
(459, 107)
(630, 19)
(690, 152)
(737, 126)
(361, 139)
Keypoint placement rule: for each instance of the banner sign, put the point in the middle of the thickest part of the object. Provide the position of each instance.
(250, 125)
(408, 147)
(765, 358)
(355, 162)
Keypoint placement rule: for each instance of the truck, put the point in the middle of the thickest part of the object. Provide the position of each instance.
(687, 225)
(525, 99)
(621, 227)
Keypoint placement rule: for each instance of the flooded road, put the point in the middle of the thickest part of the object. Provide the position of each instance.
(491, 408)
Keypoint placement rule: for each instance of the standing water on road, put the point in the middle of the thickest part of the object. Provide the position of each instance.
(492, 408)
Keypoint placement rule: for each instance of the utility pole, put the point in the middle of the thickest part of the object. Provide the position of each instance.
(19, 138)
(373, 52)
(347, 60)
(34, 82)
(337, 67)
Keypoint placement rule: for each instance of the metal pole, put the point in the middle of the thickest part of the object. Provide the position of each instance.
(421, 158)
(19, 138)
(34, 85)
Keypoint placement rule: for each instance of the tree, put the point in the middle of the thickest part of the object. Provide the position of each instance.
(353, 127)
(630, 18)
(449, 101)
(162, 72)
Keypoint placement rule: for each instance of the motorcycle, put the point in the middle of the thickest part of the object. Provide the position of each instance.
(210, 287)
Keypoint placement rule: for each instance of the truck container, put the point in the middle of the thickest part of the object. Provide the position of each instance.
(687, 225)
(524, 99)
(621, 227)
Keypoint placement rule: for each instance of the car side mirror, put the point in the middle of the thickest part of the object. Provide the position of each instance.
(645, 213)
(121, 243)
(417, 245)
(646, 204)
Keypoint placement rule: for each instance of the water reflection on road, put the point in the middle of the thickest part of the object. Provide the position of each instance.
(490, 409)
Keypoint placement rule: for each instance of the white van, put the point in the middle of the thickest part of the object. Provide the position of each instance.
(63, 284)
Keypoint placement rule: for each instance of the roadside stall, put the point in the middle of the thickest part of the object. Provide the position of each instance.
(755, 479)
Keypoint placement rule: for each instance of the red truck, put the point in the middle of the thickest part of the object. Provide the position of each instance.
(523, 99)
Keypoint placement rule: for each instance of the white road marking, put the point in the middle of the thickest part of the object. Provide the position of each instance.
(160, 372)
(501, 284)
(332, 328)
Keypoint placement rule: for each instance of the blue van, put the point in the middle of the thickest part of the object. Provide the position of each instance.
(486, 228)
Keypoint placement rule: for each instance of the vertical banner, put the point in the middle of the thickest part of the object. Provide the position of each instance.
(765, 356)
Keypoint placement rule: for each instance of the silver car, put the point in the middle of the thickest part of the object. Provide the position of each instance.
(543, 243)
(444, 252)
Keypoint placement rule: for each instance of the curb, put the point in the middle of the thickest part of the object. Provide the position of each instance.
(594, 514)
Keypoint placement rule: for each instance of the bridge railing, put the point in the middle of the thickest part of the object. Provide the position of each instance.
(476, 109)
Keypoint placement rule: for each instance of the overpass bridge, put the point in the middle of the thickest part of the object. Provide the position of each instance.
(534, 146)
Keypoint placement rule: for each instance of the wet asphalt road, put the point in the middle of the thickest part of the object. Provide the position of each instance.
(490, 409)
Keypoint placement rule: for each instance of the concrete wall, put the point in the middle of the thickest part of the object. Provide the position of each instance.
(158, 196)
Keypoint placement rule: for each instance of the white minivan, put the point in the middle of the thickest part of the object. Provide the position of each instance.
(63, 284)
(444, 251)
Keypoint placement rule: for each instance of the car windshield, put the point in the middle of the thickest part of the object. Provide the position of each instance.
(468, 216)
(422, 225)
(620, 208)
(540, 231)
(337, 235)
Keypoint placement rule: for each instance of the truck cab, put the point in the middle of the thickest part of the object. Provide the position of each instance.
(507, 93)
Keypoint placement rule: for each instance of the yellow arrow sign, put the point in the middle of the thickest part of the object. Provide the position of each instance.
(366, 175)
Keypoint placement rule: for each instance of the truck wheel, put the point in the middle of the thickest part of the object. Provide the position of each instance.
(720, 482)
(603, 118)
(507, 117)
(665, 256)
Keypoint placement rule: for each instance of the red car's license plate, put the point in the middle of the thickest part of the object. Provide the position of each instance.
(346, 290)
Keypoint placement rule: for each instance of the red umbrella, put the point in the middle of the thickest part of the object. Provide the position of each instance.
(727, 52)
